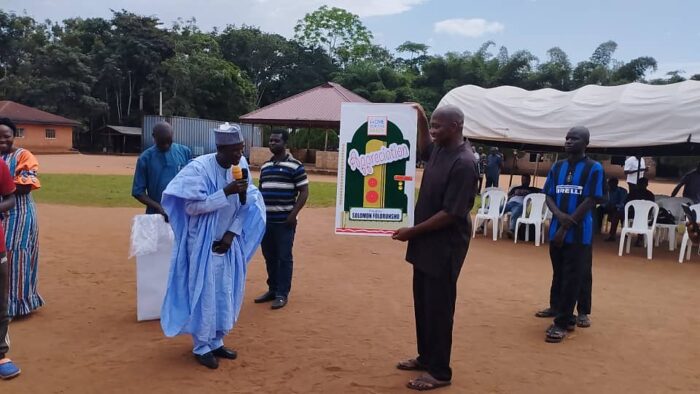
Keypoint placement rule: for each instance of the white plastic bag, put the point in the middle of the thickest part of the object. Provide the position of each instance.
(147, 232)
(152, 244)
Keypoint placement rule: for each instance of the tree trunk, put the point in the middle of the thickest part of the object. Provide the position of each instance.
(131, 90)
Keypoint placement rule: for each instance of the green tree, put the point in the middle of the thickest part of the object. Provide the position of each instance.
(277, 67)
(556, 72)
(334, 29)
(200, 82)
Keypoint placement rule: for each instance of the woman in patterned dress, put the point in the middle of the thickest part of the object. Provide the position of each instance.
(21, 228)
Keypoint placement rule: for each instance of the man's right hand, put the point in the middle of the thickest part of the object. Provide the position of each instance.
(161, 211)
(566, 220)
(236, 187)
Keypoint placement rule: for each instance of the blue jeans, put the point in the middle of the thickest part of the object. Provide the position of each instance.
(516, 211)
(277, 249)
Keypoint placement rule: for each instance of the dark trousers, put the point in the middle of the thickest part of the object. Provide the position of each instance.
(572, 281)
(4, 295)
(492, 181)
(277, 249)
(434, 300)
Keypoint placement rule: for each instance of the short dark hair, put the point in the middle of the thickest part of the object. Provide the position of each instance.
(7, 122)
(283, 132)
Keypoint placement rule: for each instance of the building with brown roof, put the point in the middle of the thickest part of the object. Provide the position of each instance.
(37, 130)
(318, 107)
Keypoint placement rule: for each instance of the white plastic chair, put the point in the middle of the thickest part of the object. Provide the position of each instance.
(483, 196)
(686, 244)
(493, 204)
(536, 214)
(640, 224)
(669, 231)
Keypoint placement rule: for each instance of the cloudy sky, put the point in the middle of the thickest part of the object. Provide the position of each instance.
(667, 30)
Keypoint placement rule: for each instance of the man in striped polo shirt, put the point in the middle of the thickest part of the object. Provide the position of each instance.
(573, 187)
(284, 188)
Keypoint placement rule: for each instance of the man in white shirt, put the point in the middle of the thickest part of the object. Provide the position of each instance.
(634, 166)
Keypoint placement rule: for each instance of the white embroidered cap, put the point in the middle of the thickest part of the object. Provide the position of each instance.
(228, 134)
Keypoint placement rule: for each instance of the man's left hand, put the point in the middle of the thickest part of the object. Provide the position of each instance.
(559, 238)
(403, 234)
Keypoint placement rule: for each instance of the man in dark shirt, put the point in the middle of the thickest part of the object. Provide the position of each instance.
(573, 187)
(641, 192)
(691, 181)
(438, 243)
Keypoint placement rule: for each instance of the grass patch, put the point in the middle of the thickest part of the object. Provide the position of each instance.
(86, 190)
(115, 191)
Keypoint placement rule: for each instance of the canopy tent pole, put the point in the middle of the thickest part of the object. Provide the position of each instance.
(325, 144)
(639, 167)
(512, 168)
(537, 167)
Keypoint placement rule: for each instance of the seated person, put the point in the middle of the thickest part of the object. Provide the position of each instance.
(640, 192)
(614, 207)
(516, 197)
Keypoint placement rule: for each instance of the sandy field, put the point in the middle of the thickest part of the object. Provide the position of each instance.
(350, 318)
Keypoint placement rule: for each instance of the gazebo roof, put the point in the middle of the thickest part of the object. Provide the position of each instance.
(317, 107)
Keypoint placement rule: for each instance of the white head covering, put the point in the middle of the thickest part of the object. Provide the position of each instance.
(228, 134)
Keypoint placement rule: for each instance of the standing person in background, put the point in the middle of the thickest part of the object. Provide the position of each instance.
(635, 168)
(482, 168)
(8, 369)
(285, 189)
(573, 187)
(691, 184)
(157, 166)
(494, 165)
(21, 227)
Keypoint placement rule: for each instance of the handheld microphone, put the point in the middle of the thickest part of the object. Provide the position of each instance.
(238, 174)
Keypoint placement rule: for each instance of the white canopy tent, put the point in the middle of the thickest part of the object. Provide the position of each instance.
(632, 119)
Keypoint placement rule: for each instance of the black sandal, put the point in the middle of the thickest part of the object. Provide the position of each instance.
(411, 365)
(555, 334)
(548, 312)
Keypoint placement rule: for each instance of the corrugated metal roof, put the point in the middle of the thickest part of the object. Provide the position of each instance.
(19, 113)
(196, 133)
(125, 130)
(317, 107)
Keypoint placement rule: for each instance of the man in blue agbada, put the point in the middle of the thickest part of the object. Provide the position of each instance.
(218, 224)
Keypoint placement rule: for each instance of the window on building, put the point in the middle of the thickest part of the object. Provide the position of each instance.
(20, 133)
(50, 134)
